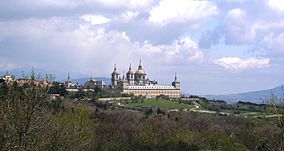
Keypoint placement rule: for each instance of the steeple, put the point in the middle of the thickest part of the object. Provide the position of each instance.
(176, 83)
(115, 76)
(130, 67)
(68, 78)
(123, 76)
(114, 67)
(140, 64)
(23, 74)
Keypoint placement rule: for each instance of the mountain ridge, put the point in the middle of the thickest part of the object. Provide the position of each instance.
(252, 96)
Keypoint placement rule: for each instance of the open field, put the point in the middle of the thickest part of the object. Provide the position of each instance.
(160, 103)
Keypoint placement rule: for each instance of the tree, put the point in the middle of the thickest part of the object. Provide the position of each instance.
(275, 106)
(57, 88)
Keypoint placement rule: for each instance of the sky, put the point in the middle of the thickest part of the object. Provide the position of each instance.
(214, 46)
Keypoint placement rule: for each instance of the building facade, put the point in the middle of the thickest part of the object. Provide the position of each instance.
(137, 83)
(8, 78)
(87, 86)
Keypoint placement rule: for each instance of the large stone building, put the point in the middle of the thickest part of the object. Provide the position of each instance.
(137, 83)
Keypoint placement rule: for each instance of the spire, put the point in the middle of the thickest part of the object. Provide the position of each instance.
(123, 77)
(114, 67)
(140, 64)
(130, 67)
(68, 78)
(33, 73)
(23, 74)
(175, 76)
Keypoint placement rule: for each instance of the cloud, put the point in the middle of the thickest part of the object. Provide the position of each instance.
(237, 28)
(6, 65)
(273, 45)
(85, 48)
(131, 4)
(236, 1)
(181, 52)
(276, 5)
(129, 15)
(89, 36)
(185, 50)
(235, 63)
(95, 19)
(169, 11)
(209, 38)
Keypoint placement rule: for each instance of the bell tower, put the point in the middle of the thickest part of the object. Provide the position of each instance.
(176, 83)
(130, 76)
(115, 76)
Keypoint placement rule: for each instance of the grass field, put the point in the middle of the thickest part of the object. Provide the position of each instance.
(161, 103)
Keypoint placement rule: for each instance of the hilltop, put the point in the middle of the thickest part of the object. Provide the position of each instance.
(254, 96)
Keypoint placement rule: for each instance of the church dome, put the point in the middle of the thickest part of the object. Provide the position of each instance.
(115, 72)
(140, 71)
(130, 72)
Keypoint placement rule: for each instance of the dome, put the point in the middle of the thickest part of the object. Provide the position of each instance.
(115, 72)
(130, 72)
(140, 72)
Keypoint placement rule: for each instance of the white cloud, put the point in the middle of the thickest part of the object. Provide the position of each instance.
(276, 5)
(236, 13)
(235, 63)
(182, 51)
(85, 48)
(169, 11)
(95, 19)
(129, 15)
(132, 4)
(273, 45)
(236, 1)
(6, 65)
(238, 28)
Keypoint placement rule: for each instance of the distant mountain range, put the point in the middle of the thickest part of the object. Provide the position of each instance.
(254, 97)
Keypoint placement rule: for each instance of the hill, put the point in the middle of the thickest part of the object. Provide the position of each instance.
(254, 96)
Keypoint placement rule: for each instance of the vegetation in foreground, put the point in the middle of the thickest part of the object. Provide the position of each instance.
(157, 103)
(31, 119)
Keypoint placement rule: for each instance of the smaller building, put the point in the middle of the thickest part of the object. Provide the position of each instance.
(87, 86)
(69, 85)
(23, 81)
(91, 84)
(101, 84)
(8, 78)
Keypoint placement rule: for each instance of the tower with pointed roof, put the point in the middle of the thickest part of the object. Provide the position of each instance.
(68, 77)
(176, 83)
(140, 75)
(130, 76)
(115, 76)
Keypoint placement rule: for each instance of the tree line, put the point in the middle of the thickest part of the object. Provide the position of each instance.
(32, 119)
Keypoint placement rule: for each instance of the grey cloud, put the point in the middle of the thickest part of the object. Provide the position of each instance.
(209, 38)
